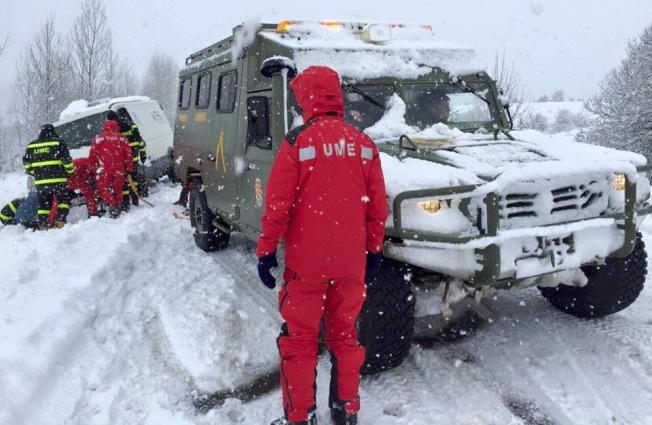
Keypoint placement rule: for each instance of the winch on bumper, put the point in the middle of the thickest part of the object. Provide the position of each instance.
(495, 257)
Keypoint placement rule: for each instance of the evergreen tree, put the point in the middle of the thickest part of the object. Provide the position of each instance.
(624, 104)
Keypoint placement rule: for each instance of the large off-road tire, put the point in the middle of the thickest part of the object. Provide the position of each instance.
(612, 287)
(386, 323)
(207, 237)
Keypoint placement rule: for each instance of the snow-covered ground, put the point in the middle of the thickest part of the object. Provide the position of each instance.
(122, 322)
(551, 109)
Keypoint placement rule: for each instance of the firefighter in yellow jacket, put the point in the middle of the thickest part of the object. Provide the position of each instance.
(130, 130)
(47, 160)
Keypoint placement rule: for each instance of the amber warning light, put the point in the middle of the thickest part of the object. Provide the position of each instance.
(376, 33)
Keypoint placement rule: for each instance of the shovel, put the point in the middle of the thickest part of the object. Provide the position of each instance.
(134, 189)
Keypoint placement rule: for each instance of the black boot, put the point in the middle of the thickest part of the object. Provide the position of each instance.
(114, 212)
(340, 417)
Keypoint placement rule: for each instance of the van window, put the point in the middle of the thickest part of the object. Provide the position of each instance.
(185, 88)
(227, 91)
(203, 90)
(258, 132)
(80, 132)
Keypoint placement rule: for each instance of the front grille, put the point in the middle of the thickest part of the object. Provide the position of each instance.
(576, 197)
(531, 203)
(519, 205)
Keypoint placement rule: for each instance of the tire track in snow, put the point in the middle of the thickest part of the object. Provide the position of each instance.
(432, 387)
(570, 362)
(239, 262)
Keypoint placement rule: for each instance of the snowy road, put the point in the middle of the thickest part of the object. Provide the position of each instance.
(121, 322)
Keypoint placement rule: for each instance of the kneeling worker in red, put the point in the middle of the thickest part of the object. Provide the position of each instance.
(326, 198)
(84, 180)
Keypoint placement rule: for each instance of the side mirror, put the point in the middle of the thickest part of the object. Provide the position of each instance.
(276, 64)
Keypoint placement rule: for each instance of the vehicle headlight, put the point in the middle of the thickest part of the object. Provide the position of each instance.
(618, 183)
(432, 206)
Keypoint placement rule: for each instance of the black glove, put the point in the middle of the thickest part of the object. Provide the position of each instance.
(373, 265)
(265, 264)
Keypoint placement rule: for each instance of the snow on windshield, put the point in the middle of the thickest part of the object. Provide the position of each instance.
(393, 123)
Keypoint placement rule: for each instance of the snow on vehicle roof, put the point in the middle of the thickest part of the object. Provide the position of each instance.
(82, 108)
(411, 52)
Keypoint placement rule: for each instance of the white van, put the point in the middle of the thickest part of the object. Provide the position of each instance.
(81, 121)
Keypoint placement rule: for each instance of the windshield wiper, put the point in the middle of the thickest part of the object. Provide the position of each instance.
(365, 95)
(468, 89)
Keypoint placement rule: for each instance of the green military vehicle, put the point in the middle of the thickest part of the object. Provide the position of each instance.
(475, 207)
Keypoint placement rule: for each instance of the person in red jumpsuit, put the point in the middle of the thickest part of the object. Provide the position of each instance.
(84, 180)
(326, 198)
(110, 160)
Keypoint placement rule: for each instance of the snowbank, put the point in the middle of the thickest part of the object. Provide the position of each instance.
(550, 110)
(12, 186)
(127, 310)
(118, 322)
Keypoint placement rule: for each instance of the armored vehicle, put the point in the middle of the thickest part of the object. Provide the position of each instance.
(475, 206)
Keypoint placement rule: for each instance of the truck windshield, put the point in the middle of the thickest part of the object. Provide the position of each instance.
(456, 104)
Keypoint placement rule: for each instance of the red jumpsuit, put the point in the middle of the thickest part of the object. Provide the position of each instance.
(326, 198)
(84, 180)
(110, 158)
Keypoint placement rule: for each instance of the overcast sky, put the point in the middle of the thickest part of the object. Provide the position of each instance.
(568, 44)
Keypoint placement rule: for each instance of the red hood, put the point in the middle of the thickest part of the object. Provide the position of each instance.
(318, 91)
(110, 126)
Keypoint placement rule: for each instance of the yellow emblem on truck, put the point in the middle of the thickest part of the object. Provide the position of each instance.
(219, 154)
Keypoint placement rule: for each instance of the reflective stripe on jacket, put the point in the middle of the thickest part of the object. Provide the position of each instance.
(326, 192)
(136, 143)
(8, 213)
(48, 161)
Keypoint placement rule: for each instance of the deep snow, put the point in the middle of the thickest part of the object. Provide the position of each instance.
(121, 322)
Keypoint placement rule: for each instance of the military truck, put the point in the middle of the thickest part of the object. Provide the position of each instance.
(475, 206)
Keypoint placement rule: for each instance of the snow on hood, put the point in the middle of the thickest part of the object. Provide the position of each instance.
(478, 158)
(414, 174)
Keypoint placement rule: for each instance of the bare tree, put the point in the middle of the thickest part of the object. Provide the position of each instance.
(42, 88)
(120, 78)
(43, 77)
(3, 142)
(160, 82)
(510, 83)
(4, 45)
(92, 52)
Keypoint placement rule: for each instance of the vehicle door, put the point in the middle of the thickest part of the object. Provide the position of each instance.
(257, 157)
(221, 125)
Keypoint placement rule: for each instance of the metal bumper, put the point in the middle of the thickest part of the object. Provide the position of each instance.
(489, 257)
